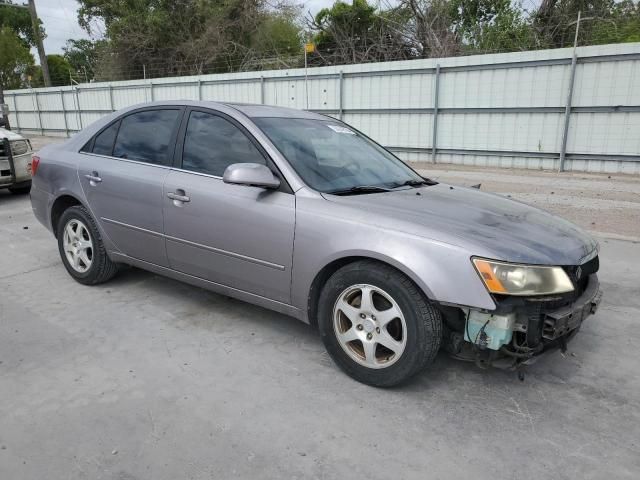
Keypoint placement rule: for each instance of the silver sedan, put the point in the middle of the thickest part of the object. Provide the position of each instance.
(303, 214)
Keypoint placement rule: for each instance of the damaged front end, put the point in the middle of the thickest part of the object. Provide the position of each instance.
(523, 327)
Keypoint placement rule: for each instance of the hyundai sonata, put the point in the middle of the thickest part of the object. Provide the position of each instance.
(302, 214)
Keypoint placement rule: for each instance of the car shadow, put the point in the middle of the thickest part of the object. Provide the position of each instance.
(197, 305)
(8, 198)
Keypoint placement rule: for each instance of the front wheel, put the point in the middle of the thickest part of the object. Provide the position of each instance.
(377, 325)
(81, 248)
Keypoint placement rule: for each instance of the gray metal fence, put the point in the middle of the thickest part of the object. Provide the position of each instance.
(540, 109)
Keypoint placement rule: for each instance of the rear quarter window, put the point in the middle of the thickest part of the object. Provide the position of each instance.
(103, 144)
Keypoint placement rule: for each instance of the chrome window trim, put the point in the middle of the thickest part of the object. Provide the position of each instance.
(128, 160)
(196, 173)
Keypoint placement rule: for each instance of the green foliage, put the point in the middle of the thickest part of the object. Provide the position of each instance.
(83, 55)
(359, 32)
(15, 59)
(623, 26)
(471, 17)
(278, 34)
(19, 20)
(357, 20)
(180, 37)
(164, 37)
(60, 71)
(507, 31)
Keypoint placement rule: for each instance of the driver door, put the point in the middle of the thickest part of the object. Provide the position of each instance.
(237, 236)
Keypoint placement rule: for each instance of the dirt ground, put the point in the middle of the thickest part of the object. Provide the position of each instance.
(608, 205)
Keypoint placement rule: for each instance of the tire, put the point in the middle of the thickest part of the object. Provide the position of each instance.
(20, 190)
(96, 267)
(409, 352)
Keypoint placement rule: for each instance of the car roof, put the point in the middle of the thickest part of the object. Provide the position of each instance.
(257, 110)
(249, 109)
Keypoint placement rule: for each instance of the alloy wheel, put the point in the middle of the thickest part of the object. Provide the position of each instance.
(78, 246)
(369, 326)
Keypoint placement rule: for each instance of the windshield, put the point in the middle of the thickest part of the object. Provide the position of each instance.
(330, 157)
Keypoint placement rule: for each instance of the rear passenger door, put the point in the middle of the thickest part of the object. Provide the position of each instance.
(238, 236)
(122, 175)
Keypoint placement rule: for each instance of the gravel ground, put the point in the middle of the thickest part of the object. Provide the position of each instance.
(608, 205)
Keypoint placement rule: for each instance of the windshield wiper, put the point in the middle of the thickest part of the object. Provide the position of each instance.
(360, 189)
(414, 183)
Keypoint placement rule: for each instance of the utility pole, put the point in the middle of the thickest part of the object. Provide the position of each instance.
(37, 34)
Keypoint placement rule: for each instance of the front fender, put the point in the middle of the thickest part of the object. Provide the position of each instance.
(443, 271)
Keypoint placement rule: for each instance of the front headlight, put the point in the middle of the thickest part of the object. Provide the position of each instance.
(19, 147)
(513, 279)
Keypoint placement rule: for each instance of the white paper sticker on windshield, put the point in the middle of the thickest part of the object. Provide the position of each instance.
(340, 129)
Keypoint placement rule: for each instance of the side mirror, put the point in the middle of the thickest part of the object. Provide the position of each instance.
(250, 174)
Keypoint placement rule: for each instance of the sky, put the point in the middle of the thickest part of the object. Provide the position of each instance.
(60, 18)
(60, 21)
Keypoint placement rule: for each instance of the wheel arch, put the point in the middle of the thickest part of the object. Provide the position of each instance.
(336, 263)
(58, 207)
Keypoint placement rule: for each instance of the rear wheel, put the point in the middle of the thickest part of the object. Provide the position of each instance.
(377, 325)
(81, 248)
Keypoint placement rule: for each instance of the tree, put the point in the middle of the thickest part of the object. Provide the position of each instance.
(358, 32)
(83, 56)
(602, 21)
(276, 43)
(163, 37)
(491, 26)
(622, 26)
(15, 59)
(430, 26)
(508, 31)
(19, 20)
(60, 71)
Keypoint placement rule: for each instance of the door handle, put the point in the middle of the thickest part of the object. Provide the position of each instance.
(178, 196)
(94, 178)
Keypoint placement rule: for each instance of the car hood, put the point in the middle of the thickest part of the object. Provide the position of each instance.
(4, 133)
(506, 229)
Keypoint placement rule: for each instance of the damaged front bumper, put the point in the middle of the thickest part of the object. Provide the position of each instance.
(521, 329)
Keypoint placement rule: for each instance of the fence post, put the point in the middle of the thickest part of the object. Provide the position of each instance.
(39, 115)
(199, 89)
(436, 95)
(78, 112)
(567, 112)
(111, 98)
(64, 112)
(340, 85)
(262, 89)
(151, 89)
(15, 108)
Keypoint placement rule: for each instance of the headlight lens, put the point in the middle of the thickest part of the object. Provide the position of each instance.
(512, 279)
(19, 147)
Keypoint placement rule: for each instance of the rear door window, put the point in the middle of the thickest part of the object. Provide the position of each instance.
(146, 136)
